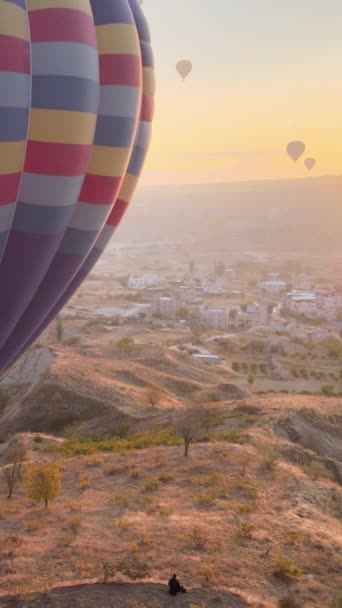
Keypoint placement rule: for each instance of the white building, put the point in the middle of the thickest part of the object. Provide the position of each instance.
(256, 314)
(273, 287)
(143, 281)
(165, 306)
(215, 318)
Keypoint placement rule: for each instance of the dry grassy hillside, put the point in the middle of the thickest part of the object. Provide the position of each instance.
(254, 515)
(97, 389)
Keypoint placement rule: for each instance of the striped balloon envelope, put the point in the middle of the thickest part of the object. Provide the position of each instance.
(76, 105)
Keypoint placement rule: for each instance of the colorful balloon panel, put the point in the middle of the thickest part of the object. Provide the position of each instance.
(92, 105)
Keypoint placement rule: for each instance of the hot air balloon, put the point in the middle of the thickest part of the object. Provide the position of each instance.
(184, 68)
(295, 149)
(72, 149)
(310, 163)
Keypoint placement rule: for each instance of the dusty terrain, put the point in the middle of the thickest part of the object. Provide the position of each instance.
(252, 515)
(143, 514)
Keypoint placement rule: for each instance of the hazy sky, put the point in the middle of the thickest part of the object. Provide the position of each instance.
(265, 72)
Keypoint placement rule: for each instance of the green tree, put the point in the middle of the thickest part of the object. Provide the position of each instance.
(44, 482)
(251, 378)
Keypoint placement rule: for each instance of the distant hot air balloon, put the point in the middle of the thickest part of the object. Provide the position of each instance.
(310, 163)
(184, 68)
(76, 105)
(295, 149)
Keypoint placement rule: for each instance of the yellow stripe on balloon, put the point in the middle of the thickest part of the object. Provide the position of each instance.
(117, 38)
(149, 81)
(13, 21)
(12, 156)
(110, 162)
(128, 187)
(80, 5)
(59, 126)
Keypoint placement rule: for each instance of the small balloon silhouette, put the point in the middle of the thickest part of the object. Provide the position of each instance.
(310, 163)
(295, 149)
(184, 68)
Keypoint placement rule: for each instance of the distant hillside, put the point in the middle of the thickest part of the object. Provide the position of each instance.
(284, 215)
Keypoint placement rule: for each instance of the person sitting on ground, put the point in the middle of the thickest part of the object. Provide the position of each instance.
(175, 586)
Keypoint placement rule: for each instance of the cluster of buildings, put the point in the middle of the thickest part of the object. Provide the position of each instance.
(316, 305)
(304, 301)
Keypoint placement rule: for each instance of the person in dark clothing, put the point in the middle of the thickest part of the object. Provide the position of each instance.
(175, 586)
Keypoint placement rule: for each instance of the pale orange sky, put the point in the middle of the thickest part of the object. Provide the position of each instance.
(264, 74)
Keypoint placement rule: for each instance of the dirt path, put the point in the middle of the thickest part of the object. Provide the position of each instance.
(125, 596)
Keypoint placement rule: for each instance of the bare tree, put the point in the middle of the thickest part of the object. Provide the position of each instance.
(153, 395)
(12, 471)
(189, 425)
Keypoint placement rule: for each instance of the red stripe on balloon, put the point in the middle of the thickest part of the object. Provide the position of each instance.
(120, 69)
(14, 55)
(62, 24)
(99, 190)
(147, 108)
(57, 159)
(117, 213)
(9, 185)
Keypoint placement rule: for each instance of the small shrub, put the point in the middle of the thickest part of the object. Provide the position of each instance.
(205, 499)
(328, 390)
(152, 485)
(135, 472)
(247, 488)
(134, 570)
(108, 571)
(232, 436)
(38, 439)
(93, 461)
(292, 537)
(207, 572)
(197, 537)
(148, 500)
(166, 477)
(66, 539)
(245, 529)
(121, 500)
(269, 456)
(286, 569)
(74, 506)
(83, 482)
(245, 508)
(165, 512)
(74, 524)
(35, 525)
(315, 470)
